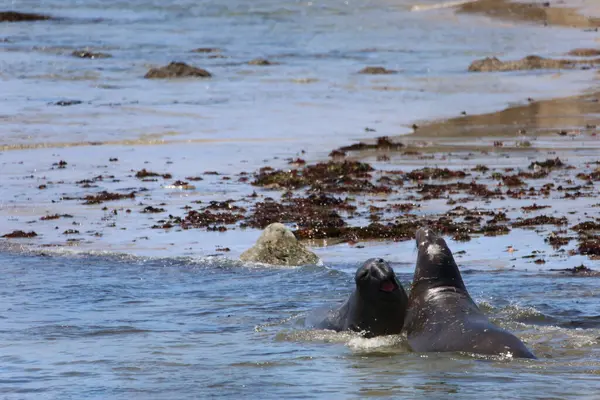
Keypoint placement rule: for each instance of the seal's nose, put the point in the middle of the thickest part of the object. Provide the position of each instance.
(424, 236)
(375, 268)
(380, 270)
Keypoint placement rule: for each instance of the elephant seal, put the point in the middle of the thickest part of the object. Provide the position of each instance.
(377, 306)
(441, 316)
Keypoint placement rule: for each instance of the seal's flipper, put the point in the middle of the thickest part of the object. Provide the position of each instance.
(435, 263)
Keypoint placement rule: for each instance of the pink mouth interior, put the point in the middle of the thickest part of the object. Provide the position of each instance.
(388, 286)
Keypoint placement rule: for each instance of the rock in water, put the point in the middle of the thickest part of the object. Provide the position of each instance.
(493, 64)
(13, 16)
(177, 70)
(278, 245)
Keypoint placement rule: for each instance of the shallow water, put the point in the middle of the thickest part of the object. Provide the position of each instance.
(80, 323)
(314, 96)
(124, 327)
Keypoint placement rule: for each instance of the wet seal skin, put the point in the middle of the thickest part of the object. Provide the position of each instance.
(441, 316)
(377, 306)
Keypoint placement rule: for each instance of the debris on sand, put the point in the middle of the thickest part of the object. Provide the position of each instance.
(540, 220)
(152, 210)
(146, 174)
(589, 246)
(338, 177)
(434, 173)
(55, 216)
(381, 143)
(107, 196)
(549, 164)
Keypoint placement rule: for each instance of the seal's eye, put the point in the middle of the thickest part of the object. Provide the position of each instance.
(381, 260)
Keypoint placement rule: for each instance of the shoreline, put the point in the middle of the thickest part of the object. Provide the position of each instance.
(437, 143)
(566, 14)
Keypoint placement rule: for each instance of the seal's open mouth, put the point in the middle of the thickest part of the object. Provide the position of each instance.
(388, 286)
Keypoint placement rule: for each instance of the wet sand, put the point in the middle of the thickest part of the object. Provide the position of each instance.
(568, 13)
(574, 115)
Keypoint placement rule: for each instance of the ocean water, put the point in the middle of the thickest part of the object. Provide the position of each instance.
(125, 327)
(135, 313)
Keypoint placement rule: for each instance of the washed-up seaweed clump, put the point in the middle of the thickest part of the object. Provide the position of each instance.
(332, 177)
(143, 174)
(152, 210)
(107, 196)
(431, 191)
(18, 234)
(512, 180)
(224, 205)
(589, 246)
(214, 221)
(586, 226)
(541, 220)
(549, 164)
(592, 176)
(376, 230)
(434, 173)
(534, 207)
(555, 240)
(316, 212)
(381, 143)
(396, 231)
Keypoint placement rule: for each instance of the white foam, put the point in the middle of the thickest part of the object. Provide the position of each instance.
(437, 6)
(376, 343)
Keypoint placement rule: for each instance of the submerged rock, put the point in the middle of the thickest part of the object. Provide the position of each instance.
(177, 70)
(66, 103)
(261, 61)
(206, 50)
(13, 16)
(377, 71)
(89, 54)
(581, 270)
(278, 245)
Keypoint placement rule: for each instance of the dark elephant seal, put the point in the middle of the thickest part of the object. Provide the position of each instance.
(441, 315)
(377, 306)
